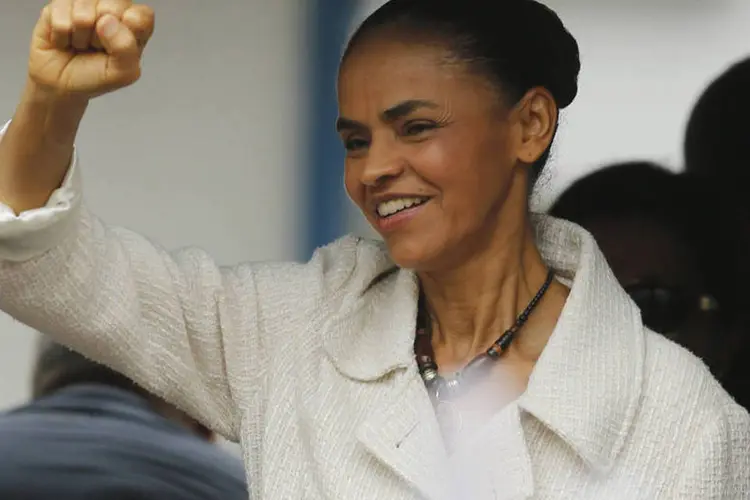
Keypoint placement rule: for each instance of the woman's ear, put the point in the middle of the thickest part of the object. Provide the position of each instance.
(537, 117)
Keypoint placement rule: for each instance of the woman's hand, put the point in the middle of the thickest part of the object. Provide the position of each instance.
(81, 49)
(86, 48)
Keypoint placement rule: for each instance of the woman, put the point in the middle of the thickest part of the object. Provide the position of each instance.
(336, 378)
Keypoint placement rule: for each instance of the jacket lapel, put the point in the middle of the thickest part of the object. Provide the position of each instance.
(404, 436)
(372, 335)
(507, 456)
(495, 465)
(372, 342)
(587, 385)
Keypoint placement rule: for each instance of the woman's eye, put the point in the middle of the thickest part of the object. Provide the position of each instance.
(416, 128)
(354, 144)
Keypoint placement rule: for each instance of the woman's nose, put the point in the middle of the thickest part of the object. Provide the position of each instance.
(379, 167)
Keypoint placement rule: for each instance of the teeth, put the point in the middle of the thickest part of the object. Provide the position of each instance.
(390, 207)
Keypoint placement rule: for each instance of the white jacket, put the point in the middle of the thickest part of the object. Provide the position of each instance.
(311, 368)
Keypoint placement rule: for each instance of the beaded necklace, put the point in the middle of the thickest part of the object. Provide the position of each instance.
(443, 390)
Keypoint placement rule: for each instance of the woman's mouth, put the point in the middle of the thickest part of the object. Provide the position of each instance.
(394, 213)
(392, 207)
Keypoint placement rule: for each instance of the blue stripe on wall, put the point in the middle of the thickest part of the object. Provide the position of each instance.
(325, 214)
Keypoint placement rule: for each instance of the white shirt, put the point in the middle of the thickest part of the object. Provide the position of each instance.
(311, 367)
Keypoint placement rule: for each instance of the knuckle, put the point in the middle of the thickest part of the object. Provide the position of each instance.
(83, 19)
(126, 48)
(140, 17)
(82, 23)
(62, 25)
(129, 77)
(114, 7)
(146, 12)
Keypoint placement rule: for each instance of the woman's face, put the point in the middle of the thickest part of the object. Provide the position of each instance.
(431, 152)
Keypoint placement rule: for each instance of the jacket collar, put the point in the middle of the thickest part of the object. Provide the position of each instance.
(594, 359)
(373, 334)
(587, 384)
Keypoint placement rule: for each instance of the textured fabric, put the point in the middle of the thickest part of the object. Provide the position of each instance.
(28, 234)
(311, 367)
(102, 443)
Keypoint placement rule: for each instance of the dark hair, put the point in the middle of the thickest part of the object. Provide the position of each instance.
(58, 367)
(717, 133)
(625, 189)
(689, 208)
(516, 44)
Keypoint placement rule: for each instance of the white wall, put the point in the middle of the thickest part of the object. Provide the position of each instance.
(204, 150)
(644, 64)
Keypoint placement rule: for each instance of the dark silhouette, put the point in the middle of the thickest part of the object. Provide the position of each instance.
(91, 433)
(671, 243)
(718, 130)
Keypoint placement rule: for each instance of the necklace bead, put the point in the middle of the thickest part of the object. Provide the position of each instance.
(443, 389)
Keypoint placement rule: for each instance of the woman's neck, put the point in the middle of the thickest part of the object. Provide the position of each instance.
(472, 304)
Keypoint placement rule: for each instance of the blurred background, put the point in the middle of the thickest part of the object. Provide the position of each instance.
(227, 142)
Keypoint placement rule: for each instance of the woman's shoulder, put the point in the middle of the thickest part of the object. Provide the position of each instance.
(679, 385)
(685, 421)
(347, 266)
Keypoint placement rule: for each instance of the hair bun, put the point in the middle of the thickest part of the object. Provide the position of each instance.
(521, 43)
(553, 48)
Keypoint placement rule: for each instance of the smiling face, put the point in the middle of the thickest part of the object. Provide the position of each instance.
(432, 152)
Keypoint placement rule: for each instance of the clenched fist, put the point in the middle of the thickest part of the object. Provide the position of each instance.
(89, 47)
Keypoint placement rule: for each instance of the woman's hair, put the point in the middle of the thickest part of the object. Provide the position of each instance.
(516, 44)
(716, 138)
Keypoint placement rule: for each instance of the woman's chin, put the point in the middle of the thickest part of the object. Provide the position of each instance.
(410, 254)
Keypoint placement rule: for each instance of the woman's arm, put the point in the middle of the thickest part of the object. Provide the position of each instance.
(37, 147)
(80, 49)
(171, 322)
(109, 293)
(177, 324)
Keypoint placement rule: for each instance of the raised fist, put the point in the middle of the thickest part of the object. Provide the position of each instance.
(89, 47)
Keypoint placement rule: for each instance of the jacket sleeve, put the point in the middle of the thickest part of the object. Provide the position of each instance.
(176, 323)
(719, 466)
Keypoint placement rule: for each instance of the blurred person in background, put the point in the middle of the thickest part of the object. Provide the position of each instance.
(90, 433)
(715, 149)
(479, 352)
(670, 242)
(718, 132)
